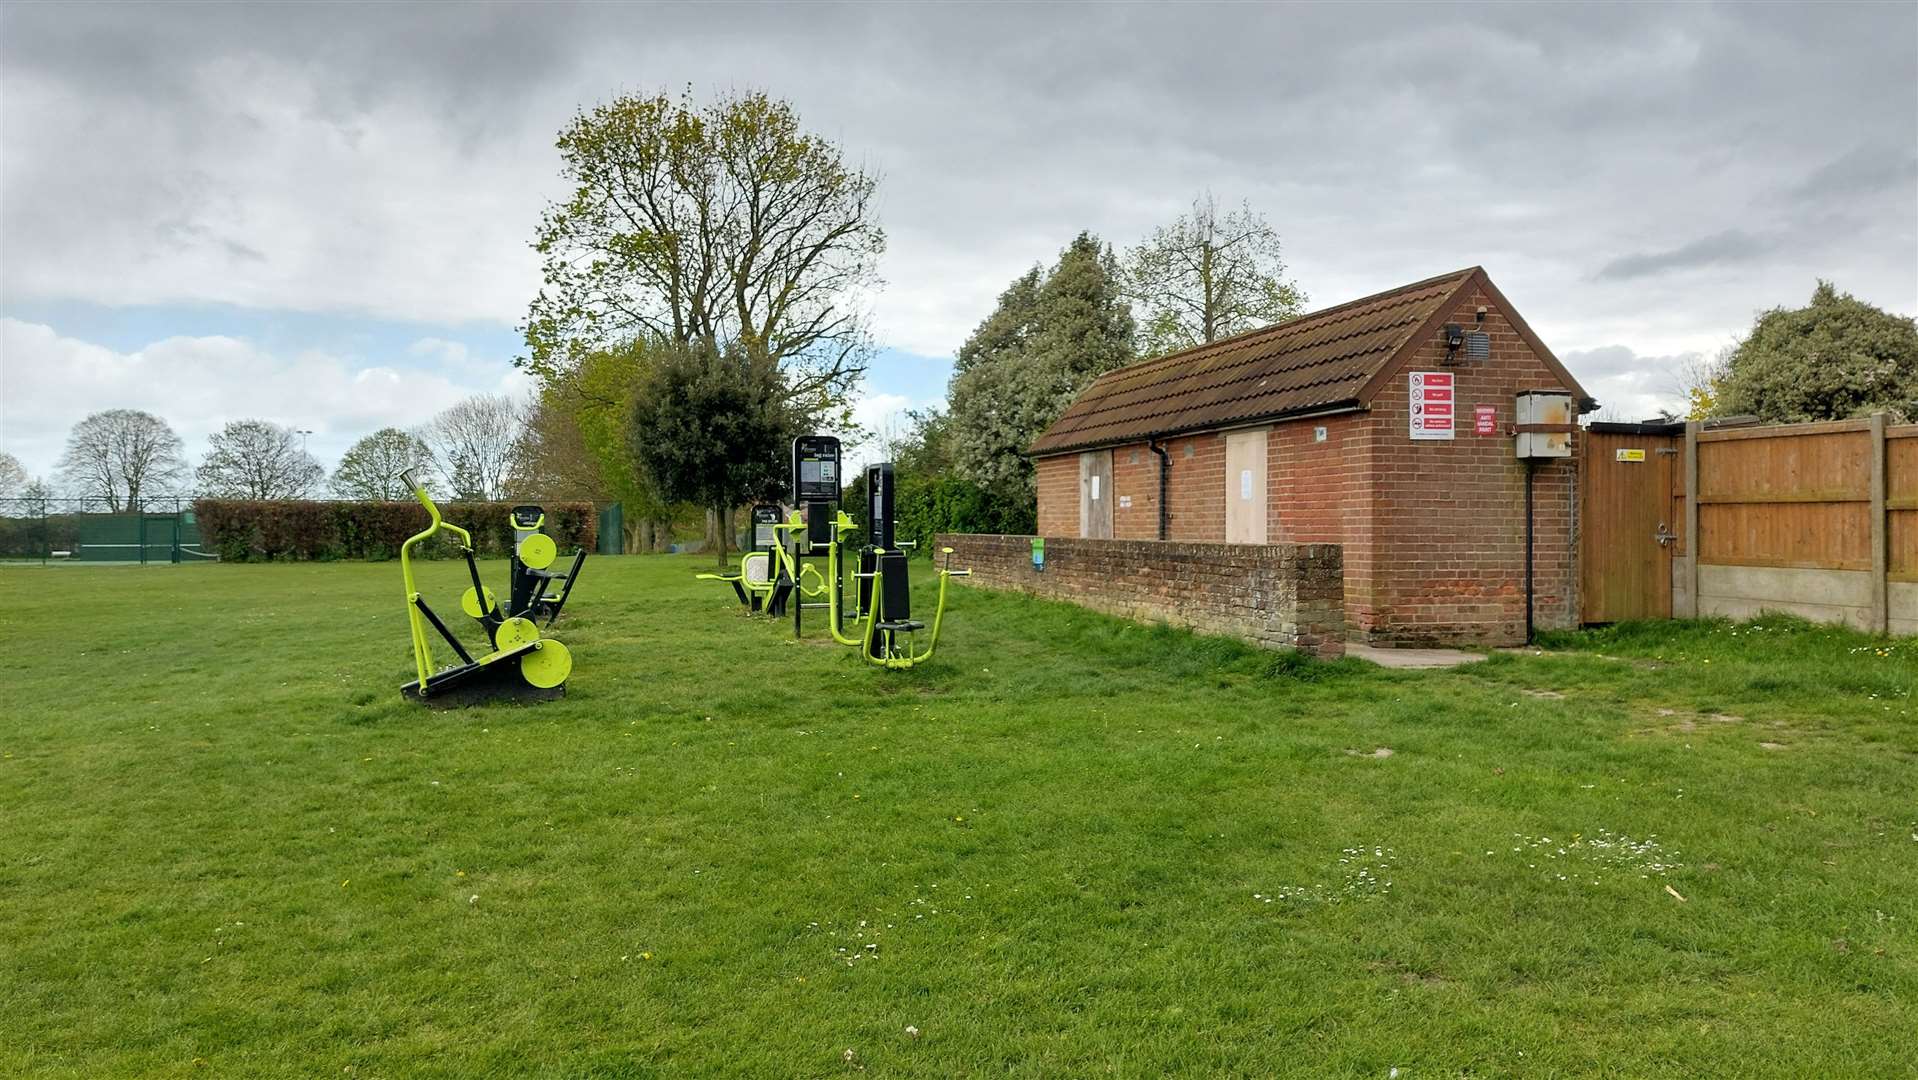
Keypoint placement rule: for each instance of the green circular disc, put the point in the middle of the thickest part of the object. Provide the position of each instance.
(515, 632)
(538, 551)
(469, 602)
(546, 666)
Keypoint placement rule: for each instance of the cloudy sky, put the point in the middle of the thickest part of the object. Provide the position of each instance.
(320, 215)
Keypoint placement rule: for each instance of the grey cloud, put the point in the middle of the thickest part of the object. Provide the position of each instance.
(1730, 246)
(1385, 143)
(1628, 385)
(1866, 171)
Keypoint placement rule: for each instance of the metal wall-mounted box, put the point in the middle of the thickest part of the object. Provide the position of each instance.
(1545, 424)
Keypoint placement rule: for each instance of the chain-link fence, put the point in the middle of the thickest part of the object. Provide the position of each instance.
(160, 530)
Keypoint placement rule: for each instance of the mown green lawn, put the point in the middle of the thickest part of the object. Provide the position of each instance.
(1068, 846)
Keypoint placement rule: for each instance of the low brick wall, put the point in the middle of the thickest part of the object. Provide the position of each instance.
(1282, 596)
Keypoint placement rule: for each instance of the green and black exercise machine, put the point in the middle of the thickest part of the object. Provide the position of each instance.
(883, 628)
(765, 576)
(890, 628)
(819, 531)
(885, 583)
(519, 664)
(533, 553)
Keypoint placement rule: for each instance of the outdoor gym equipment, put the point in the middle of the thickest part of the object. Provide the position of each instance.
(533, 552)
(818, 531)
(890, 627)
(519, 665)
(885, 583)
(884, 595)
(765, 576)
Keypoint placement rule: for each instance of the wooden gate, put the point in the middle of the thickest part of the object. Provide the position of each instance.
(1631, 511)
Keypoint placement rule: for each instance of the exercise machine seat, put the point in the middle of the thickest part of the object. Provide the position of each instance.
(895, 584)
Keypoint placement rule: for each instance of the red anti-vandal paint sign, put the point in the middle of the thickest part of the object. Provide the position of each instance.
(1431, 404)
(1485, 420)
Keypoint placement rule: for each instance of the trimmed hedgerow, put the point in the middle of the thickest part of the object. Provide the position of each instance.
(247, 530)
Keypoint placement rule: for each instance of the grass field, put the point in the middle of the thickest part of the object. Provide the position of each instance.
(1069, 846)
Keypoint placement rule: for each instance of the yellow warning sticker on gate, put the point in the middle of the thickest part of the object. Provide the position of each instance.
(1631, 455)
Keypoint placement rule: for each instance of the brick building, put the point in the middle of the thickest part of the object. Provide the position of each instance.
(1304, 433)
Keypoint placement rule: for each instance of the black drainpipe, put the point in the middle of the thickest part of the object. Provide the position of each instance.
(1165, 471)
(1529, 472)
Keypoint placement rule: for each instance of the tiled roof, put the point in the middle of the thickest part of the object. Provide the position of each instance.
(1314, 362)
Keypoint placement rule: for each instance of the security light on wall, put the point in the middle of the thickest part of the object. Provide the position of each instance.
(1476, 342)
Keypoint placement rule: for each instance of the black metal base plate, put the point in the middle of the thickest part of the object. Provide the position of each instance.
(480, 685)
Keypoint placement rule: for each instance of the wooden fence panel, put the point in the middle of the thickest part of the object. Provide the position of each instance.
(1831, 467)
(1812, 535)
(1901, 502)
(1793, 518)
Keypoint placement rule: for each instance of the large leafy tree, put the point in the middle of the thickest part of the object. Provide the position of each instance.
(371, 467)
(1837, 357)
(724, 221)
(255, 459)
(1050, 336)
(117, 457)
(595, 399)
(712, 426)
(1208, 275)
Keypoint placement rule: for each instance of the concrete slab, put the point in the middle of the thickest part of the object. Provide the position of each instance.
(1412, 658)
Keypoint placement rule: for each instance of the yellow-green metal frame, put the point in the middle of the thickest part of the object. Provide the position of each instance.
(876, 615)
(422, 651)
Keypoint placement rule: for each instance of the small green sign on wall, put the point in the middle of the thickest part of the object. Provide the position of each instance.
(1039, 553)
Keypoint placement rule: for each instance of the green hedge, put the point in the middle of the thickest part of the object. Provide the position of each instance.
(924, 506)
(244, 530)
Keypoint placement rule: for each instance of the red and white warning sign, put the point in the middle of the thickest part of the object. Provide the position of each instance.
(1432, 404)
(1485, 420)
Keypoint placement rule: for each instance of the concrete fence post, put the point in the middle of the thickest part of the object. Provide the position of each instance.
(1880, 556)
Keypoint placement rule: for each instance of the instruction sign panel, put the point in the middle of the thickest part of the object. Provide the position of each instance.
(1485, 420)
(1637, 454)
(1432, 405)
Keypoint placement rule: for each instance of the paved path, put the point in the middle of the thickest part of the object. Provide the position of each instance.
(1413, 658)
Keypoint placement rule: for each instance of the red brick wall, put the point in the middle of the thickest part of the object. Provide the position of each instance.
(1196, 488)
(1058, 479)
(1135, 480)
(1448, 517)
(1285, 596)
(1433, 532)
(1195, 491)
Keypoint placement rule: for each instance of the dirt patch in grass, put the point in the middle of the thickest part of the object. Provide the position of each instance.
(1408, 974)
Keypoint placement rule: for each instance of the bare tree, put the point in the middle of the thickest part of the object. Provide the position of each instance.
(1208, 276)
(256, 459)
(13, 478)
(120, 456)
(370, 468)
(1699, 380)
(472, 443)
(551, 459)
(726, 222)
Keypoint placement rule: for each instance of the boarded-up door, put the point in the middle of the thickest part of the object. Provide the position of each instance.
(1630, 510)
(1245, 487)
(1095, 495)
